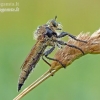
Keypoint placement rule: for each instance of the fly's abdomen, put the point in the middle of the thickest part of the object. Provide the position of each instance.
(30, 62)
(26, 71)
(23, 76)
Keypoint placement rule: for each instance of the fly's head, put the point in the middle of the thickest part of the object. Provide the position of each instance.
(54, 25)
(49, 31)
(53, 29)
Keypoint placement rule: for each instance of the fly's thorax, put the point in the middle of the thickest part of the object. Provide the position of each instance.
(39, 32)
(49, 41)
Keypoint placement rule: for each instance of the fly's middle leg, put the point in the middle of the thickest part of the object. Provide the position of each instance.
(47, 53)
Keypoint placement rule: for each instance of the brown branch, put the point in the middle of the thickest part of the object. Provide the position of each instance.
(67, 55)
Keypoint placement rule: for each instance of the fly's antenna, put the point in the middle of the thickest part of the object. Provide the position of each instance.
(55, 17)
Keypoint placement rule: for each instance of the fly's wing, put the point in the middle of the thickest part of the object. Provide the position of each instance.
(33, 57)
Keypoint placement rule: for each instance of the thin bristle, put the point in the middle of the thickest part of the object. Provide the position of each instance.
(55, 17)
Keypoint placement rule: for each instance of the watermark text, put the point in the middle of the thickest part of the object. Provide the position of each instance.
(9, 7)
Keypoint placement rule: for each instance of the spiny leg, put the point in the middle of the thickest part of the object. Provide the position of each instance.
(46, 53)
(56, 60)
(62, 34)
(46, 61)
(70, 45)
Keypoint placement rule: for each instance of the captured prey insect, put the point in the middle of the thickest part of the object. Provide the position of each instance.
(46, 35)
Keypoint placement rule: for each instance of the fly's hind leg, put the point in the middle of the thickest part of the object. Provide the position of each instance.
(70, 45)
(46, 61)
(46, 55)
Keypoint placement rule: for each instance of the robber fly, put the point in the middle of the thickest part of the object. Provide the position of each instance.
(46, 35)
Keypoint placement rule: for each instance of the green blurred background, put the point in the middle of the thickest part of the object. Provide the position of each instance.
(80, 81)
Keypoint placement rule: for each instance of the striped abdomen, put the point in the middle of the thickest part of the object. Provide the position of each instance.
(30, 62)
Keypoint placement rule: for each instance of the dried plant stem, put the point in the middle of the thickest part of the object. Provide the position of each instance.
(35, 84)
(67, 55)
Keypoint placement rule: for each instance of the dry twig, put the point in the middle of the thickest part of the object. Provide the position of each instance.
(67, 55)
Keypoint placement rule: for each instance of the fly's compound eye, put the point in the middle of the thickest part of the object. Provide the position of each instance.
(54, 23)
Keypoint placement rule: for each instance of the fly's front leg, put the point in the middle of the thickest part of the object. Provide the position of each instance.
(70, 35)
(70, 45)
(46, 55)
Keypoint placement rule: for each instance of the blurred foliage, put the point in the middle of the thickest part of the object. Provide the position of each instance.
(80, 81)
